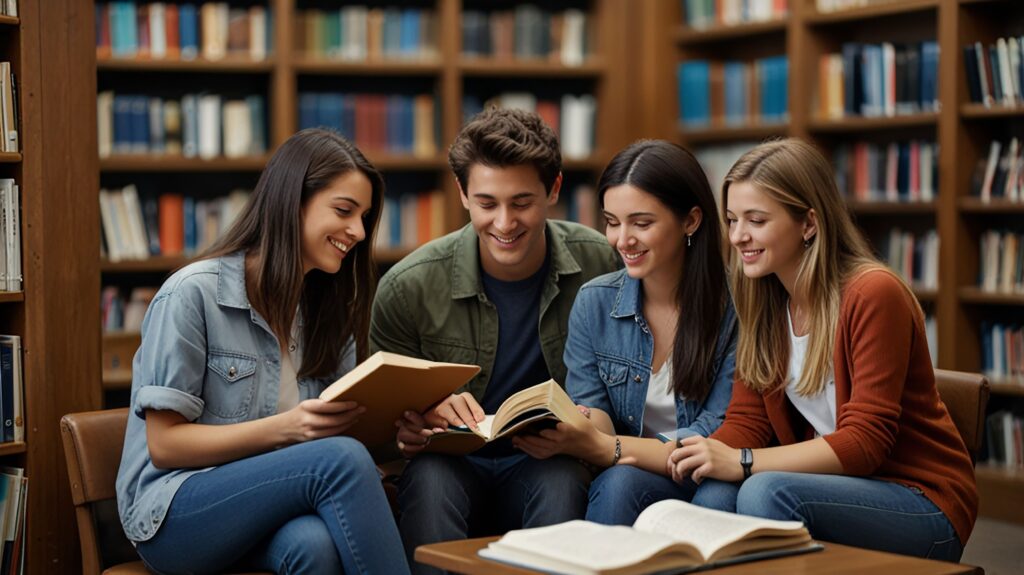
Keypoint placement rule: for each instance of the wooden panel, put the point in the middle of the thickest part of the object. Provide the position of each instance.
(1000, 492)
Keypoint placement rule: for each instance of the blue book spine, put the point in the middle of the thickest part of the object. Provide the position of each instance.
(348, 116)
(929, 75)
(7, 377)
(308, 106)
(330, 111)
(188, 30)
(122, 124)
(735, 93)
(140, 124)
(410, 42)
(189, 217)
(694, 85)
(258, 115)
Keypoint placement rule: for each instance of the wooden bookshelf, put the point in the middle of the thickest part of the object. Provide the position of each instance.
(488, 67)
(229, 65)
(12, 448)
(1008, 387)
(9, 21)
(150, 163)
(12, 296)
(323, 66)
(9, 157)
(961, 130)
(165, 264)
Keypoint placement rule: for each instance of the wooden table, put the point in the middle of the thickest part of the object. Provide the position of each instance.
(461, 557)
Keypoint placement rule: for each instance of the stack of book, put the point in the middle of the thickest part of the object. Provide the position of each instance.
(914, 256)
(169, 224)
(707, 13)
(527, 33)
(392, 123)
(409, 220)
(11, 392)
(118, 315)
(10, 232)
(200, 125)
(9, 8)
(1004, 429)
(713, 93)
(167, 30)
(873, 80)
(893, 172)
(8, 109)
(1001, 262)
(995, 74)
(1000, 174)
(359, 33)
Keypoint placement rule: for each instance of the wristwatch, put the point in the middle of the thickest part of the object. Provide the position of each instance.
(746, 461)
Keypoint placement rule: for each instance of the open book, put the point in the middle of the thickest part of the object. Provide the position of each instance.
(388, 384)
(542, 404)
(668, 535)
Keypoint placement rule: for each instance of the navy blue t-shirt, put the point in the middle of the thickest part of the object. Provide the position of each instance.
(519, 362)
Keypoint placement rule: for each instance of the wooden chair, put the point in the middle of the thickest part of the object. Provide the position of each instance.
(965, 396)
(92, 447)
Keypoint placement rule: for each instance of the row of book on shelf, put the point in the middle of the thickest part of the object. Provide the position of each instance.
(1001, 261)
(118, 315)
(199, 125)
(873, 80)
(12, 413)
(168, 30)
(10, 231)
(913, 256)
(995, 75)
(1004, 438)
(708, 13)
(906, 171)
(733, 93)
(409, 220)
(395, 123)
(1000, 174)
(1002, 351)
(527, 32)
(9, 8)
(167, 224)
(13, 516)
(8, 109)
(357, 32)
(572, 117)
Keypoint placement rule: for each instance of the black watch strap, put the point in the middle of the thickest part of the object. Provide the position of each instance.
(746, 461)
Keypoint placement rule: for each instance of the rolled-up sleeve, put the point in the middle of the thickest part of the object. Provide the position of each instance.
(170, 364)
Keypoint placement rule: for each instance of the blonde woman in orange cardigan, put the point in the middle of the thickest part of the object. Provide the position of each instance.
(835, 419)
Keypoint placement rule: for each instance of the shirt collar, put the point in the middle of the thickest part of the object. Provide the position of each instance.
(231, 281)
(627, 300)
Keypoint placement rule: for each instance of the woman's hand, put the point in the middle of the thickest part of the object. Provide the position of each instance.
(700, 457)
(315, 418)
(587, 443)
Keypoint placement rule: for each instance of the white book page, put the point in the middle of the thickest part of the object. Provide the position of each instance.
(484, 426)
(707, 529)
(598, 547)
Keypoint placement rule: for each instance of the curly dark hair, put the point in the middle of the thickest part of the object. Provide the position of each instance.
(501, 137)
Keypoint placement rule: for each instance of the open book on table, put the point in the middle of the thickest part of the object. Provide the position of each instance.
(668, 535)
(388, 384)
(544, 404)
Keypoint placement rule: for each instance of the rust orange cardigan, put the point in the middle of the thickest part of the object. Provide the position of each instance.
(890, 423)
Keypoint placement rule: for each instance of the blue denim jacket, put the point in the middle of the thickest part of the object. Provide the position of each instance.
(608, 356)
(209, 356)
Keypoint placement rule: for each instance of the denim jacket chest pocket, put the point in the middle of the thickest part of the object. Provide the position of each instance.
(230, 384)
(615, 376)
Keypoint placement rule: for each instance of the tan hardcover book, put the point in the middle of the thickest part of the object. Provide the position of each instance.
(669, 536)
(388, 384)
(542, 405)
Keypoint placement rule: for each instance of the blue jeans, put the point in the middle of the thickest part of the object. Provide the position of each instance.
(856, 511)
(444, 497)
(620, 493)
(315, 507)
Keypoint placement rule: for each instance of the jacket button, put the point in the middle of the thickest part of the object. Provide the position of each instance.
(636, 378)
(631, 418)
(232, 371)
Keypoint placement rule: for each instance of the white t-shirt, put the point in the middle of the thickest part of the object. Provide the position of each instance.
(288, 396)
(660, 407)
(820, 409)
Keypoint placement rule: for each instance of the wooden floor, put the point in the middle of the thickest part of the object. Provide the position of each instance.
(997, 546)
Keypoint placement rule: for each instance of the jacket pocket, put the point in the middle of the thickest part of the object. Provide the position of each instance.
(614, 374)
(230, 383)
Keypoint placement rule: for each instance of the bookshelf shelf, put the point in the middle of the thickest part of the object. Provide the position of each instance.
(12, 447)
(487, 67)
(227, 65)
(12, 296)
(971, 205)
(594, 162)
(323, 66)
(116, 379)
(390, 256)
(999, 488)
(153, 264)
(981, 111)
(870, 12)
(10, 157)
(884, 208)
(9, 21)
(1007, 386)
(147, 163)
(925, 295)
(689, 36)
(975, 295)
(713, 135)
(858, 125)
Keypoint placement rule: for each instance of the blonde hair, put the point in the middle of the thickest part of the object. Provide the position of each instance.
(795, 174)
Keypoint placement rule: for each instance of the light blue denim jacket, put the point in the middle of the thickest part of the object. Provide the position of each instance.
(608, 356)
(209, 356)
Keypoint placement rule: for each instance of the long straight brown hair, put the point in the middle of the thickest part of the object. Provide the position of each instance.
(674, 177)
(334, 307)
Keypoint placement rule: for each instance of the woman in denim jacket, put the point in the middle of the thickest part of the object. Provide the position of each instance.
(230, 460)
(650, 347)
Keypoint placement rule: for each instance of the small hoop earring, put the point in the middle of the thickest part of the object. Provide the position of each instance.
(689, 241)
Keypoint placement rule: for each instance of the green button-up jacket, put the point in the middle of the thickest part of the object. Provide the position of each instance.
(432, 303)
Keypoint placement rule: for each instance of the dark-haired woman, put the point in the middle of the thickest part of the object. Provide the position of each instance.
(230, 460)
(650, 348)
